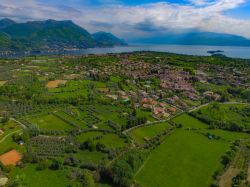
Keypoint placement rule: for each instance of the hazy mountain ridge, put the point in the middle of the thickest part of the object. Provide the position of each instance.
(107, 39)
(6, 22)
(196, 38)
(50, 34)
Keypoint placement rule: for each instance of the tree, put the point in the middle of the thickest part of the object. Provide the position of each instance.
(55, 165)
(88, 180)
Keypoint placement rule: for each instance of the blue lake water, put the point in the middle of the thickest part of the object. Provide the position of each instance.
(230, 51)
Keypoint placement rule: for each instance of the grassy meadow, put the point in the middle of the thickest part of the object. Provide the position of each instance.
(187, 158)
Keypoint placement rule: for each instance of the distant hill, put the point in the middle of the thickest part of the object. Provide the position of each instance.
(6, 22)
(196, 38)
(107, 39)
(50, 34)
(5, 41)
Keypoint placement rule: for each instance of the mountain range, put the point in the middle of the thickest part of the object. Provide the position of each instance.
(195, 37)
(62, 35)
(51, 34)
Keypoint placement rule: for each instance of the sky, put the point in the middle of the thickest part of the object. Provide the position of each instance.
(134, 18)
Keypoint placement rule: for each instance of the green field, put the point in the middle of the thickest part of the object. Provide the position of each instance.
(190, 122)
(30, 177)
(148, 132)
(48, 122)
(187, 158)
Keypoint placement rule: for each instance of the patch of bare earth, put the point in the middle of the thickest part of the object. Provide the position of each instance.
(72, 76)
(226, 178)
(2, 83)
(10, 158)
(232, 171)
(55, 83)
(248, 172)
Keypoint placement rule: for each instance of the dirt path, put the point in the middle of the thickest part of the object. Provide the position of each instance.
(232, 171)
(13, 119)
(142, 166)
(248, 172)
(4, 138)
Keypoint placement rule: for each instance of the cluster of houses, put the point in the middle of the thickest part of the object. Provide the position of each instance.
(159, 109)
(178, 81)
(223, 75)
(137, 69)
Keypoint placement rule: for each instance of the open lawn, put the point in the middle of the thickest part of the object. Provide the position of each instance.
(49, 122)
(148, 132)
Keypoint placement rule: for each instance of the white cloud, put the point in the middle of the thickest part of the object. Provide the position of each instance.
(128, 21)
